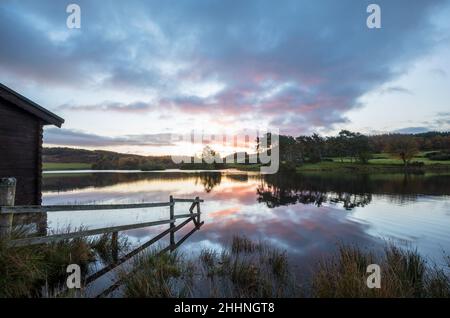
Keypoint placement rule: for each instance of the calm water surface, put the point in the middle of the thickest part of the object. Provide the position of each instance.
(306, 215)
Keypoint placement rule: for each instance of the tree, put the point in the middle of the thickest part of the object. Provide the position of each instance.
(353, 145)
(403, 147)
(210, 156)
(317, 146)
(361, 148)
(289, 150)
(310, 147)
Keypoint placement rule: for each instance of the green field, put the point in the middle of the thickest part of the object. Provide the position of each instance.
(50, 166)
(385, 159)
(85, 166)
(365, 168)
(379, 163)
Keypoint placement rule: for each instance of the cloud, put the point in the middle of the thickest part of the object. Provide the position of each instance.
(298, 66)
(440, 122)
(439, 72)
(412, 130)
(396, 89)
(69, 137)
(135, 107)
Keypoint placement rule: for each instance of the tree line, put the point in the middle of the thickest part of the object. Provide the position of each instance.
(357, 147)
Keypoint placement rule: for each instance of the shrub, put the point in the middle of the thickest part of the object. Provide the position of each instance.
(416, 164)
(440, 157)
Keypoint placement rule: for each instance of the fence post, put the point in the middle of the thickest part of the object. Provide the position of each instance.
(115, 246)
(7, 198)
(198, 209)
(172, 225)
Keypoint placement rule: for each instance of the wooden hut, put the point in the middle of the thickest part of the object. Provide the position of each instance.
(21, 129)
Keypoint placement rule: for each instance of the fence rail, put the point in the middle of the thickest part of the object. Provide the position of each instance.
(8, 211)
(23, 209)
(13, 210)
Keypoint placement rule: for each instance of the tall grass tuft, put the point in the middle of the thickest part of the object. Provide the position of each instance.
(20, 269)
(404, 273)
(40, 270)
(244, 269)
(103, 245)
(159, 276)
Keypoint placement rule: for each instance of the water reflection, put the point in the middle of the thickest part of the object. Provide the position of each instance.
(305, 214)
(350, 190)
(209, 180)
(77, 181)
(278, 190)
(353, 190)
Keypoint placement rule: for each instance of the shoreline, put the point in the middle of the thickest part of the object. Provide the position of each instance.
(321, 167)
(332, 167)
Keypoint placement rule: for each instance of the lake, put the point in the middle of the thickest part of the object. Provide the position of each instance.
(307, 215)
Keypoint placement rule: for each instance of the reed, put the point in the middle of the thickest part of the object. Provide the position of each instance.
(40, 270)
(244, 269)
(404, 273)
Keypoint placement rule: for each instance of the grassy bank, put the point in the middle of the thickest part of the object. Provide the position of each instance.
(374, 166)
(40, 270)
(248, 269)
(243, 167)
(50, 166)
(379, 163)
(404, 274)
(243, 269)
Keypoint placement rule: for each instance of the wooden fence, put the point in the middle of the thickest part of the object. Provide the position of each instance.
(8, 210)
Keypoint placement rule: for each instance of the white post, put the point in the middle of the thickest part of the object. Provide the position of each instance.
(7, 198)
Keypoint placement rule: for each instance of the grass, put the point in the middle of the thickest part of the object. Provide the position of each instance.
(159, 276)
(404, 274)
(25, 270)
(51, 166)
(250, 269)
(245, 269)
(40, 270)
(243, 167)
(103, 245)
(386, 159)
(378, 164)
(152, 167)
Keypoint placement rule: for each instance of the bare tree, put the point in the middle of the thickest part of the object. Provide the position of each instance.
(403, 147)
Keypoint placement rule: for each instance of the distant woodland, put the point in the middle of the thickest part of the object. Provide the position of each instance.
(346, 146)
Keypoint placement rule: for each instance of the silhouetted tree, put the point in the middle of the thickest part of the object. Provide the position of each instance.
(404, 148)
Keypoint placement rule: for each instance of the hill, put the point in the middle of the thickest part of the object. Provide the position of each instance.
(99, 159)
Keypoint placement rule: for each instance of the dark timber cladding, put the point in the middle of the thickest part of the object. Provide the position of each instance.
(21, 128)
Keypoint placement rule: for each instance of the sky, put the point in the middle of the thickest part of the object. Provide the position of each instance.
(138, 73)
